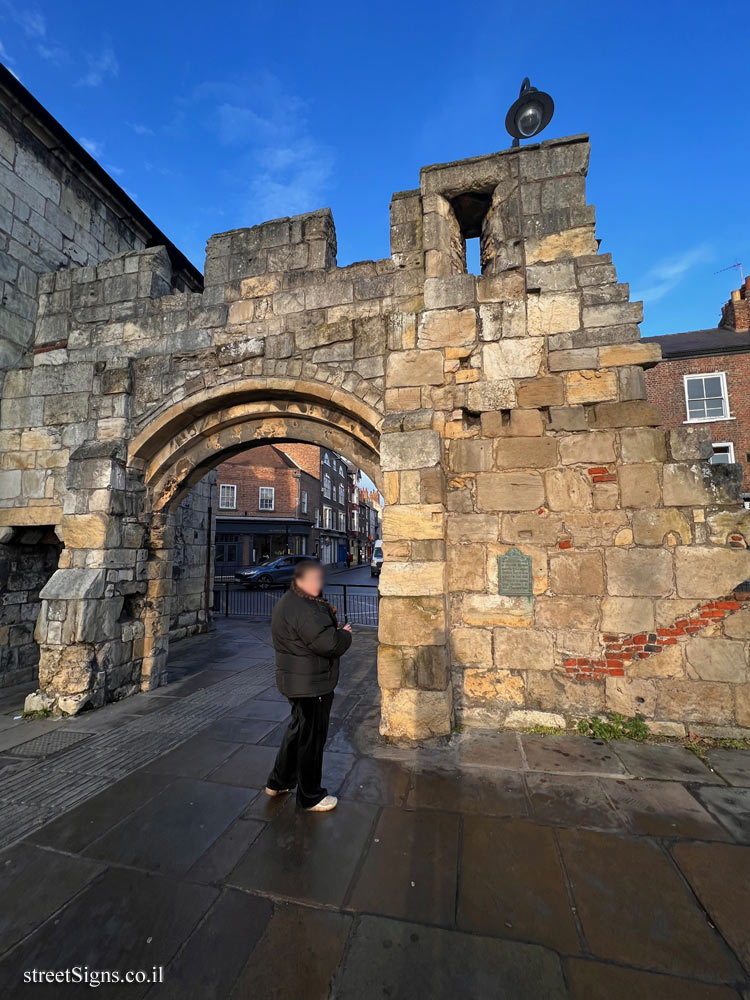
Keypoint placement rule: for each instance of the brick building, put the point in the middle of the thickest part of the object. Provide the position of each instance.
(268, 504)
(369, 526)
(704, 378)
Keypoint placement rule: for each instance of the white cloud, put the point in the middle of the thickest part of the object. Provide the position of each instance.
(30, 21)
(55, 54)
(100, 65)
(4, 55)
(141, 129)
(92, 146)
(667, 274)
(115, 171)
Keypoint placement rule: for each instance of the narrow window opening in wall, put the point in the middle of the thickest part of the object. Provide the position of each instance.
(473, 263)
(470, 210)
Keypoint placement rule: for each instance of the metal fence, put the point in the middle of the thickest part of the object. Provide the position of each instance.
(355, 604)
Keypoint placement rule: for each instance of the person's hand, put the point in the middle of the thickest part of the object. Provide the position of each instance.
(346, 628)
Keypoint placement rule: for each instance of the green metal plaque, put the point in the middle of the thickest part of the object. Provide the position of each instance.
(514, 574)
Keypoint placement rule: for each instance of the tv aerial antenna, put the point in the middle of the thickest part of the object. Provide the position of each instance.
(738, 265)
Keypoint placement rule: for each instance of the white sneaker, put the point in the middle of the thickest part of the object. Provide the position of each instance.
(278, 791)
(325, 805)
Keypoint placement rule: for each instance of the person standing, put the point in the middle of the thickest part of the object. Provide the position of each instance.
(308, 643)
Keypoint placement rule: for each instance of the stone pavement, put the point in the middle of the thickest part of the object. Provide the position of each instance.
(494, 865)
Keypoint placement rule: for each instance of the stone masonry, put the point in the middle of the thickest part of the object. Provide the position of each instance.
(498, 410)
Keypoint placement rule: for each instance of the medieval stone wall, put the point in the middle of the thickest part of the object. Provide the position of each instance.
(497, 411)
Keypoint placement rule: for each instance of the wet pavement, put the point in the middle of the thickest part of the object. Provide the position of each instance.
(494, 865)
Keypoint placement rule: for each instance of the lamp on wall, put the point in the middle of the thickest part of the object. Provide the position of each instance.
(531, 113)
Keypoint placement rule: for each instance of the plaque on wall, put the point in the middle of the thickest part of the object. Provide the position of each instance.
(514, 574)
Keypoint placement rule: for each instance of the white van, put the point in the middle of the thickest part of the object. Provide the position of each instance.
(377, 558)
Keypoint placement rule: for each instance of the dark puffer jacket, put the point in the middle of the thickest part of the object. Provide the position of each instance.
(308, 645)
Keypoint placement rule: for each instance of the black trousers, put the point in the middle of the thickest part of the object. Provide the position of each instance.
(300, 758)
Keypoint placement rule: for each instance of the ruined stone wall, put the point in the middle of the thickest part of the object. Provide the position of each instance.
(494, 411)
(193, 561)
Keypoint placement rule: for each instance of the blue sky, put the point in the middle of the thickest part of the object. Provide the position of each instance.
(215, 116)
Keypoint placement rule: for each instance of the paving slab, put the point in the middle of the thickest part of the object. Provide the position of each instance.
(308, 856)
(171, 832)
(732, 765)
(213, 957)
(196, 682)
(665, 763)
(262, 708)
(476, 790)
(384, 781)
(296, 957)
(720, 876)
(511, 884)
(731, 806)
(194, 758)
(221, 857)
(248, 767)
(389, 958)
(570, 755)
(267, 807)
(272, 694)
(589, 980)
(237, 730)
(663, 809)
(410, 869)
(79, 827)
(124, 920)
(489, 748)
(34, 883)
(565, 800)
(636, 910)
(336, 767)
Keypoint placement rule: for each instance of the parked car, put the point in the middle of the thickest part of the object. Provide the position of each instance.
(377, 559)
(274, 572)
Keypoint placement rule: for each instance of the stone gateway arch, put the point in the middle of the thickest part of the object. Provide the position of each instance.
(502, 415)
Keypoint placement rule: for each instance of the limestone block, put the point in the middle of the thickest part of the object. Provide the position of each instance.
(639, 485)
(716, 659)
(390, 666)
(517, 358)
(567, 612)
(525, 453)
(630, 696)
(695, 701)
(554, 691)
(688, 444)
(90, 531)
(484, 610)
(568, 489)
(597, 528)
(412, 621)
(412, 714)
(567, 418)
(412, 579)
(523, 650)
(559, 246)
(737, 626)
(413, 521)
(471, 527)
(466, 567)
(500, 287)
(668, 611)
(706, 572)
(528, 719)
(447, 327)
(74, 584)
(547, 390)
(520, 423)
(471, 456)
(538, 528)
(409, 450)
(722, 524)
(568, 361)
(742, 696)
(613, 314)
(413, 368)
(669, 663)
(557, 277)
(627, 615)
(472, 647)
(590, 386)
(492, 688)
(637, 353)
(629, 413)
(639, 573)
(498, 394)
(594, 448)
(10, 484)
(643, 444)
(651, 526)
(511, 491)
(553, 312)
(576, 573)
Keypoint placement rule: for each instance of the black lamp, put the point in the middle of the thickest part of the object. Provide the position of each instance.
(530, 114)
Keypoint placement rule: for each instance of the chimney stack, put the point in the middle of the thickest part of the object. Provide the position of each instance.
(735, 315)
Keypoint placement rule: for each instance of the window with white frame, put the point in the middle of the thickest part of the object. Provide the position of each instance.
(265, 497)
(326, 459)
(723, 453)
(303, 501)
(341, 493)
(327, 517)
(317, 517)
(342, 521)
(706, 397)
(227, 497)
(327, 486)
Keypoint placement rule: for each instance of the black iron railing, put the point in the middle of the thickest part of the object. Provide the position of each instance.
(355, 604)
